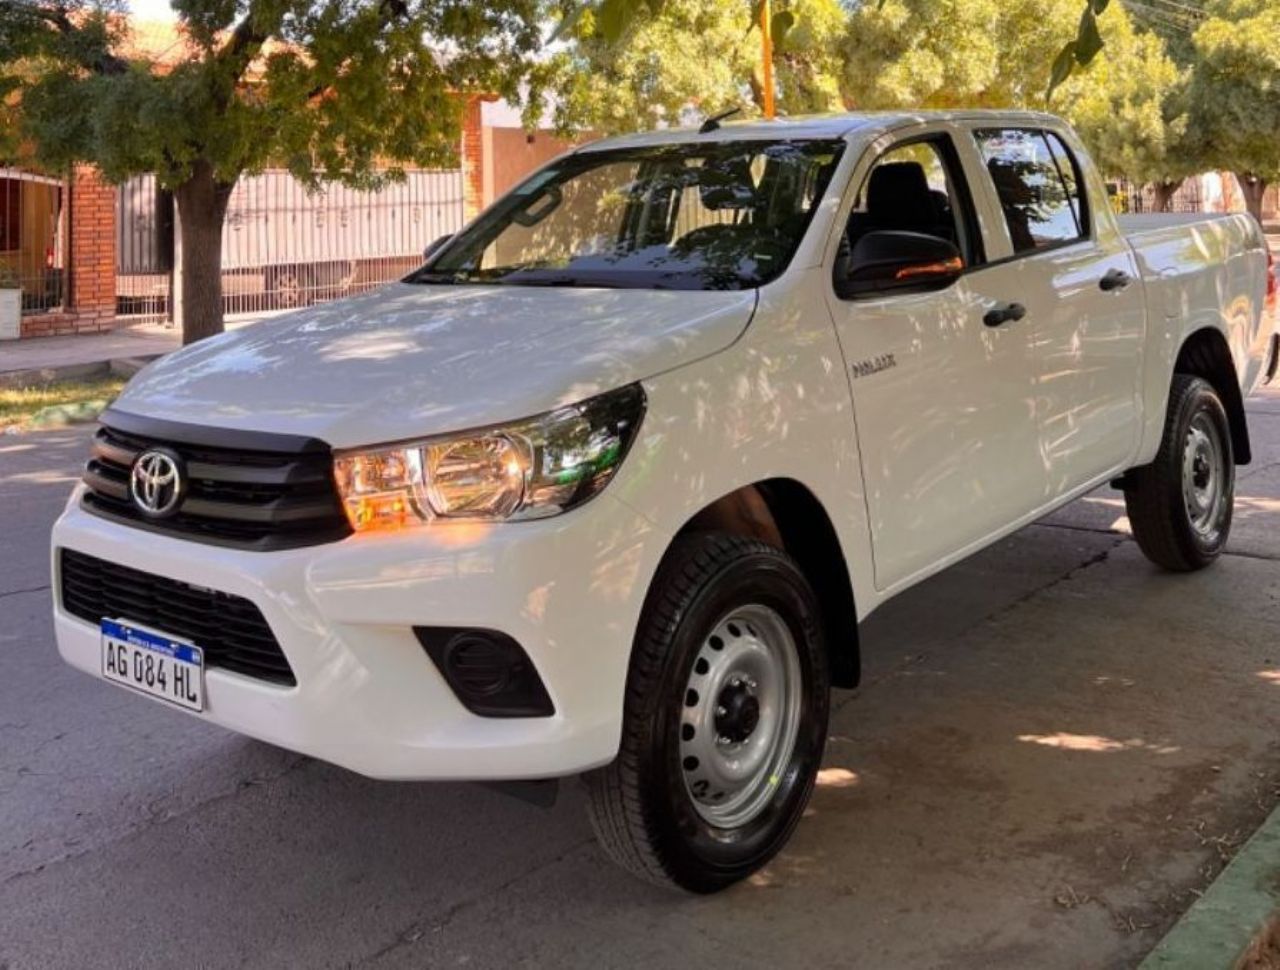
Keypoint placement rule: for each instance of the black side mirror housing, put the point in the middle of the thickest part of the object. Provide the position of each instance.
(436, 246)
(890, 261)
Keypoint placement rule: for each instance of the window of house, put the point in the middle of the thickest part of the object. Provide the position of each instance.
(1037, 183)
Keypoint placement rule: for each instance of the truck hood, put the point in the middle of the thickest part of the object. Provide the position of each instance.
(412, 360)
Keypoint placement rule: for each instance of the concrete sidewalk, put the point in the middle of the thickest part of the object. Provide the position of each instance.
(72, 351)
(42, 353)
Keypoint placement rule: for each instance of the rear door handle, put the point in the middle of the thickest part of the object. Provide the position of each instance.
(1116, 279)
(1004, 313)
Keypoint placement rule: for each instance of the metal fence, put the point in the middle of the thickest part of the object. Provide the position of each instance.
(1131, 198)
(283, 246)
(32, 227)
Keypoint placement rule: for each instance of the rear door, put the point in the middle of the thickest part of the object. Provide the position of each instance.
(1086, 311)
(944, 404)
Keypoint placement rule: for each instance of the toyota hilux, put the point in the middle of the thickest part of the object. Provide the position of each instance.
(607, 485)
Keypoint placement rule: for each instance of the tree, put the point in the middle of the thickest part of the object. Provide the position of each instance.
(1130, 108)
(699, 55)
(332, 89)
(1235, 93)
(614, 20)
(1000, 54)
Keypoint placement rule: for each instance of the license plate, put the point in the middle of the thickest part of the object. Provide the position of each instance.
(169, 669)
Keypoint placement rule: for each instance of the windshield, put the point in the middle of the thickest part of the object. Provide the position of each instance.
(719, 216)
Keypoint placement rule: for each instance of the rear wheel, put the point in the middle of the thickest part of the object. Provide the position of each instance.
(1180, 505)
(725, 717)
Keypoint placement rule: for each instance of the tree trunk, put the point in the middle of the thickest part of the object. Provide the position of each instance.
(1164, 193)
(202, 206)
(1253, 188)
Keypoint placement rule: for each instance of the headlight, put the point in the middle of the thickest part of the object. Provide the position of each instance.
(531, 469)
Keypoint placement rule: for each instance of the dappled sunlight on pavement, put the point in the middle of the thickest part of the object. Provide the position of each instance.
(1092, 742)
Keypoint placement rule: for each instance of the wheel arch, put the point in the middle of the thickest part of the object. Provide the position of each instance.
(1205, 354)
(785, 513)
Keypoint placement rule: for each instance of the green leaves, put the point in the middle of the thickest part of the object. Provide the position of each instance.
(1062, 67)
(614, 16)
(1234, 92)
(334, 87)
(1088, 40)
(612, 20)
(780, 25)
(1081, 51)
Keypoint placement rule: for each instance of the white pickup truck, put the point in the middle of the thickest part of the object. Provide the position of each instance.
(608, 484)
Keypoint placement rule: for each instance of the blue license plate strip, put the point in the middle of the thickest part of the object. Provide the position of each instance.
(136, 637)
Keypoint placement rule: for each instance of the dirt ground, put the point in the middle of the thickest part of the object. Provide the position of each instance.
(1266, 952)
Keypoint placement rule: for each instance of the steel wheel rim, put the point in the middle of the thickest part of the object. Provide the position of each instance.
(1204, 476)
(741, 716)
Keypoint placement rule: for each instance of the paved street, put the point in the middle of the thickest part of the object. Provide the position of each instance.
(1054, 747)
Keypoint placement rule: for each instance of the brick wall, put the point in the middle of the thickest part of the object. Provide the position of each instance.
(473, 161)
(512, 154)
(90, 259)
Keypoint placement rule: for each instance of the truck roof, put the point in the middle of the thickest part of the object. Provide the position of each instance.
(815, 126)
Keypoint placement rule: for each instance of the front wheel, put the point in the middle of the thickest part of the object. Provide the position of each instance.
(725, 717)
(1180, 505)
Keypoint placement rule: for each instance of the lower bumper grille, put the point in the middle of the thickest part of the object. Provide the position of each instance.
(229, 629)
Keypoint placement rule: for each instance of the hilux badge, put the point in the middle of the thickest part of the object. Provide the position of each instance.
(156, 483)
(865, 368)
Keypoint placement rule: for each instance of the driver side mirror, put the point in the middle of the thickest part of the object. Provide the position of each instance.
(436, 246)
(889, 261)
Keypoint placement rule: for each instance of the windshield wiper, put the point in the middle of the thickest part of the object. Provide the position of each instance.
(558, 279)
(434, 276)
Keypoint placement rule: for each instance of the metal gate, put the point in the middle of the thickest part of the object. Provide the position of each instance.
(144, 249)
(283, 246)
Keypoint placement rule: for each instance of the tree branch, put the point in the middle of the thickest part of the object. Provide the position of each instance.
(101, 62)
(243, 45)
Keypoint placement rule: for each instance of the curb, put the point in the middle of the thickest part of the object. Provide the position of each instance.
(121, 366)
(1224, 925)
(48, 375)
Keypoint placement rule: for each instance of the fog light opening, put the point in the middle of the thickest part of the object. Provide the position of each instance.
(487, 671)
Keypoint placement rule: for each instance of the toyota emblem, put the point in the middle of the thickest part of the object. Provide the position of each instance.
(156, 483)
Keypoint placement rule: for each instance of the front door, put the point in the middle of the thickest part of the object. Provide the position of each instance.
(944, 403)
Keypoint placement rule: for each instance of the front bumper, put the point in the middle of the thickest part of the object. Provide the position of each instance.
(568, 589)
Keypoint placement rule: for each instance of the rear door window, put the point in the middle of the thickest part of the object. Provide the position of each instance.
(1037, 183)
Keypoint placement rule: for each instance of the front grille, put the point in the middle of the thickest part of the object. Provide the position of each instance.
(229, 629)
(244, 489)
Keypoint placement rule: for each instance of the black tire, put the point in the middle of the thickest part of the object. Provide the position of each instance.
(1160, 513)
(641, 805)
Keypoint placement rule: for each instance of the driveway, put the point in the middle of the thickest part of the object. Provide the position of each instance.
(1053, 750)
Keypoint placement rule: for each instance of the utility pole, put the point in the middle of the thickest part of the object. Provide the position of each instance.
(766, 41)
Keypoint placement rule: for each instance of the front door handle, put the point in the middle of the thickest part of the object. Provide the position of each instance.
(1116, 279)
(1004, 313)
